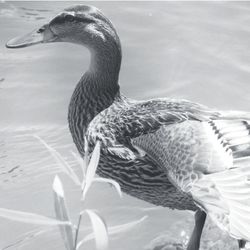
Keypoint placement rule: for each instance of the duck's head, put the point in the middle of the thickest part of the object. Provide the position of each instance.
(78, 24)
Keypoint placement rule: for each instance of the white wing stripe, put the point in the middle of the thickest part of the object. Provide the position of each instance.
(239, 141)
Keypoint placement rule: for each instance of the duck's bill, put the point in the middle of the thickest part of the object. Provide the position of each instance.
(42, 35)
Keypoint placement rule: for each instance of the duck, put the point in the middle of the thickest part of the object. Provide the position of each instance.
(168, 152)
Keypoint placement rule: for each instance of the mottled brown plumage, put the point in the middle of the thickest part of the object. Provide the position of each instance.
(171, 153)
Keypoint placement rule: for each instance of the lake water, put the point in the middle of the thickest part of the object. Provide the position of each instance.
(193, 50)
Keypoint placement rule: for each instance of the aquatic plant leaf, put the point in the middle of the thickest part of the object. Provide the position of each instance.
(30, 218)
(77, 230)
(62, 214)
(86, 160)
(26, 238)
(86, 151)
(115, 184)
(60, 161)
(114, 230)
(100, 231)
(91, 169)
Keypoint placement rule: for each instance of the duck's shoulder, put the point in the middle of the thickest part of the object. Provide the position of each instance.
(103, 127)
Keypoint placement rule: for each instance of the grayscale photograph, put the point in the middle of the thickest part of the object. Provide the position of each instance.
(125, 125)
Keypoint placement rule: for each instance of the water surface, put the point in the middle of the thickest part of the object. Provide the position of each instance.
(193, 50)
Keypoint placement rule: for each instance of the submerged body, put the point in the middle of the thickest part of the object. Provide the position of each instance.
(171, 153)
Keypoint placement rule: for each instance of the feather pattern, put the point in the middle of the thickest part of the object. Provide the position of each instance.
(168, 152)
(204, 154)
(202, 159)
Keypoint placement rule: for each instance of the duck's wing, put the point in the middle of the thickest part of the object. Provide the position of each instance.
(204, 153)
(135, 119)
(148, 116)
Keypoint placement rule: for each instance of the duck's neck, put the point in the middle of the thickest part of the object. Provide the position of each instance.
(96, 91)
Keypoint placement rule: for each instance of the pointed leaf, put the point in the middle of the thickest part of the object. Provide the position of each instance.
(114, 183)
(91, 169)
(113, 230)
(30, 218)
(100, 232)
(77, 230)
(62, 214)
(85, 159)
(57, 187)
(61, 162)
(86, 149)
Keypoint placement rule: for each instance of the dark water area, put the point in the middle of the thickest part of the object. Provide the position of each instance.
(193, 50)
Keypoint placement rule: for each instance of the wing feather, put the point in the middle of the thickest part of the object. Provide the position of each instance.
(201, 159)
(204, 153)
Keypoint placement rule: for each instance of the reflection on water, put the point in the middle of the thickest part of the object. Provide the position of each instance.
(197, 51)
(30, 14)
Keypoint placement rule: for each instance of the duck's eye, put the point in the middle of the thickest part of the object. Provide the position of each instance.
(41, 30)
(69, 18)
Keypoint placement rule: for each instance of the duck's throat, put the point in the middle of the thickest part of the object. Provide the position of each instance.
(96, 91)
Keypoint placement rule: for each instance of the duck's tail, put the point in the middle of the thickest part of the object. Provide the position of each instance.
(232, 212)
(234, 188)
